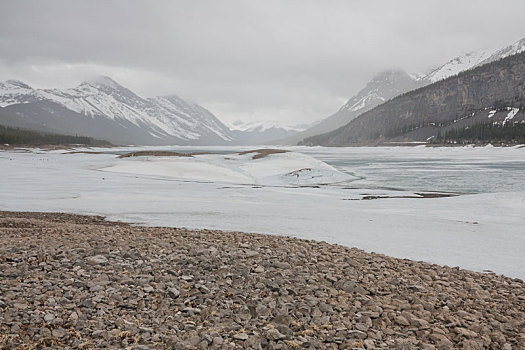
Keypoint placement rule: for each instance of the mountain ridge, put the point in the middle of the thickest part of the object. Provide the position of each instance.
(491, 93)
(103, 101)
(103, 108)
(454, 66)
(380, 88)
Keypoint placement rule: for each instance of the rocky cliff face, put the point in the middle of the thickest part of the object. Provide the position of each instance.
(437, 107)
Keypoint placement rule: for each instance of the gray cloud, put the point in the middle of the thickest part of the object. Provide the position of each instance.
(290, 60)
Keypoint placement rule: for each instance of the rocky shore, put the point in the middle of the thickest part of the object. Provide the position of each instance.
(69, 281)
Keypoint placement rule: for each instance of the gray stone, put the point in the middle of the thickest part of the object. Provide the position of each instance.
(97, 260)
(241, 336)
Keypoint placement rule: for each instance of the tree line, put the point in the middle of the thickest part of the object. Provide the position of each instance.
(483, 133)
(17, 136)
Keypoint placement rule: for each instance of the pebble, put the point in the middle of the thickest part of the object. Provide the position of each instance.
(97, 260)
(241, 336)
(69, 281)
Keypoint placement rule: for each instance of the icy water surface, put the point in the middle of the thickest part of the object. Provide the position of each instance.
(458, 170)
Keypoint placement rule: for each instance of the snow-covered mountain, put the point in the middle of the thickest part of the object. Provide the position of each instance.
(102, 108)
(390, 84)
(487, 94)
(262, 125)
(457, 65)
(517, 47)
(471, 60)
(15, 91)
(263, 132)
(381, 88)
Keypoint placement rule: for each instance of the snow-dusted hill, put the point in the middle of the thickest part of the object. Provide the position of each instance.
(103, 108)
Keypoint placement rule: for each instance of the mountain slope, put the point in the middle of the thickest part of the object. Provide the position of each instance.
(458, 101)
(471, 60)
(14, 91)
(374, 93)
(457, 65)
(515, 48)
(103, 108)
(381, 88)
(49, 116)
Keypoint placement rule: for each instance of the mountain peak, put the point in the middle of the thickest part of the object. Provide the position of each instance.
(104, 81)
(473, 59)
(513, 49)
(104, 109)
(390, 74)
(393, 76)
(382, 87)
(458, 64)
(263, 125)
(16, 91)
(18, 83)
(173, 98)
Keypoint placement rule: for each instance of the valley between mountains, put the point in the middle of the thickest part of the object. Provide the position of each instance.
(102, 108)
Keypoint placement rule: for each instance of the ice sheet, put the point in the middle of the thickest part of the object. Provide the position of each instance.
(477, 231)
(279, 169)
(181, 168)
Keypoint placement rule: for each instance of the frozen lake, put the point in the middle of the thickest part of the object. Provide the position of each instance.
(483, 228)
(456, 169)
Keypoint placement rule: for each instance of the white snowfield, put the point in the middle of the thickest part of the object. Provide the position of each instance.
(483, 231)
(281, 169)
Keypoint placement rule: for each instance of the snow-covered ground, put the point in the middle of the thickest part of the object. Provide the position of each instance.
(281, 169)
(482, 230)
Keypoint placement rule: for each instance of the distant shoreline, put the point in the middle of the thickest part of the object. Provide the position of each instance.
(72, 147)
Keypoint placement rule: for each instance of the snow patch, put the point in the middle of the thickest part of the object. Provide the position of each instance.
(511, 115)
(364, 102)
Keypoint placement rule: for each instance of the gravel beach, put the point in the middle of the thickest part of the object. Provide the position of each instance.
(70, 281)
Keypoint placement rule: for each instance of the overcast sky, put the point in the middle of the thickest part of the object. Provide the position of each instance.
(293, 61)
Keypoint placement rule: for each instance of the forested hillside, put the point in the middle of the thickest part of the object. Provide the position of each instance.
(16, 136)
(485, 133)
(491, 93)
